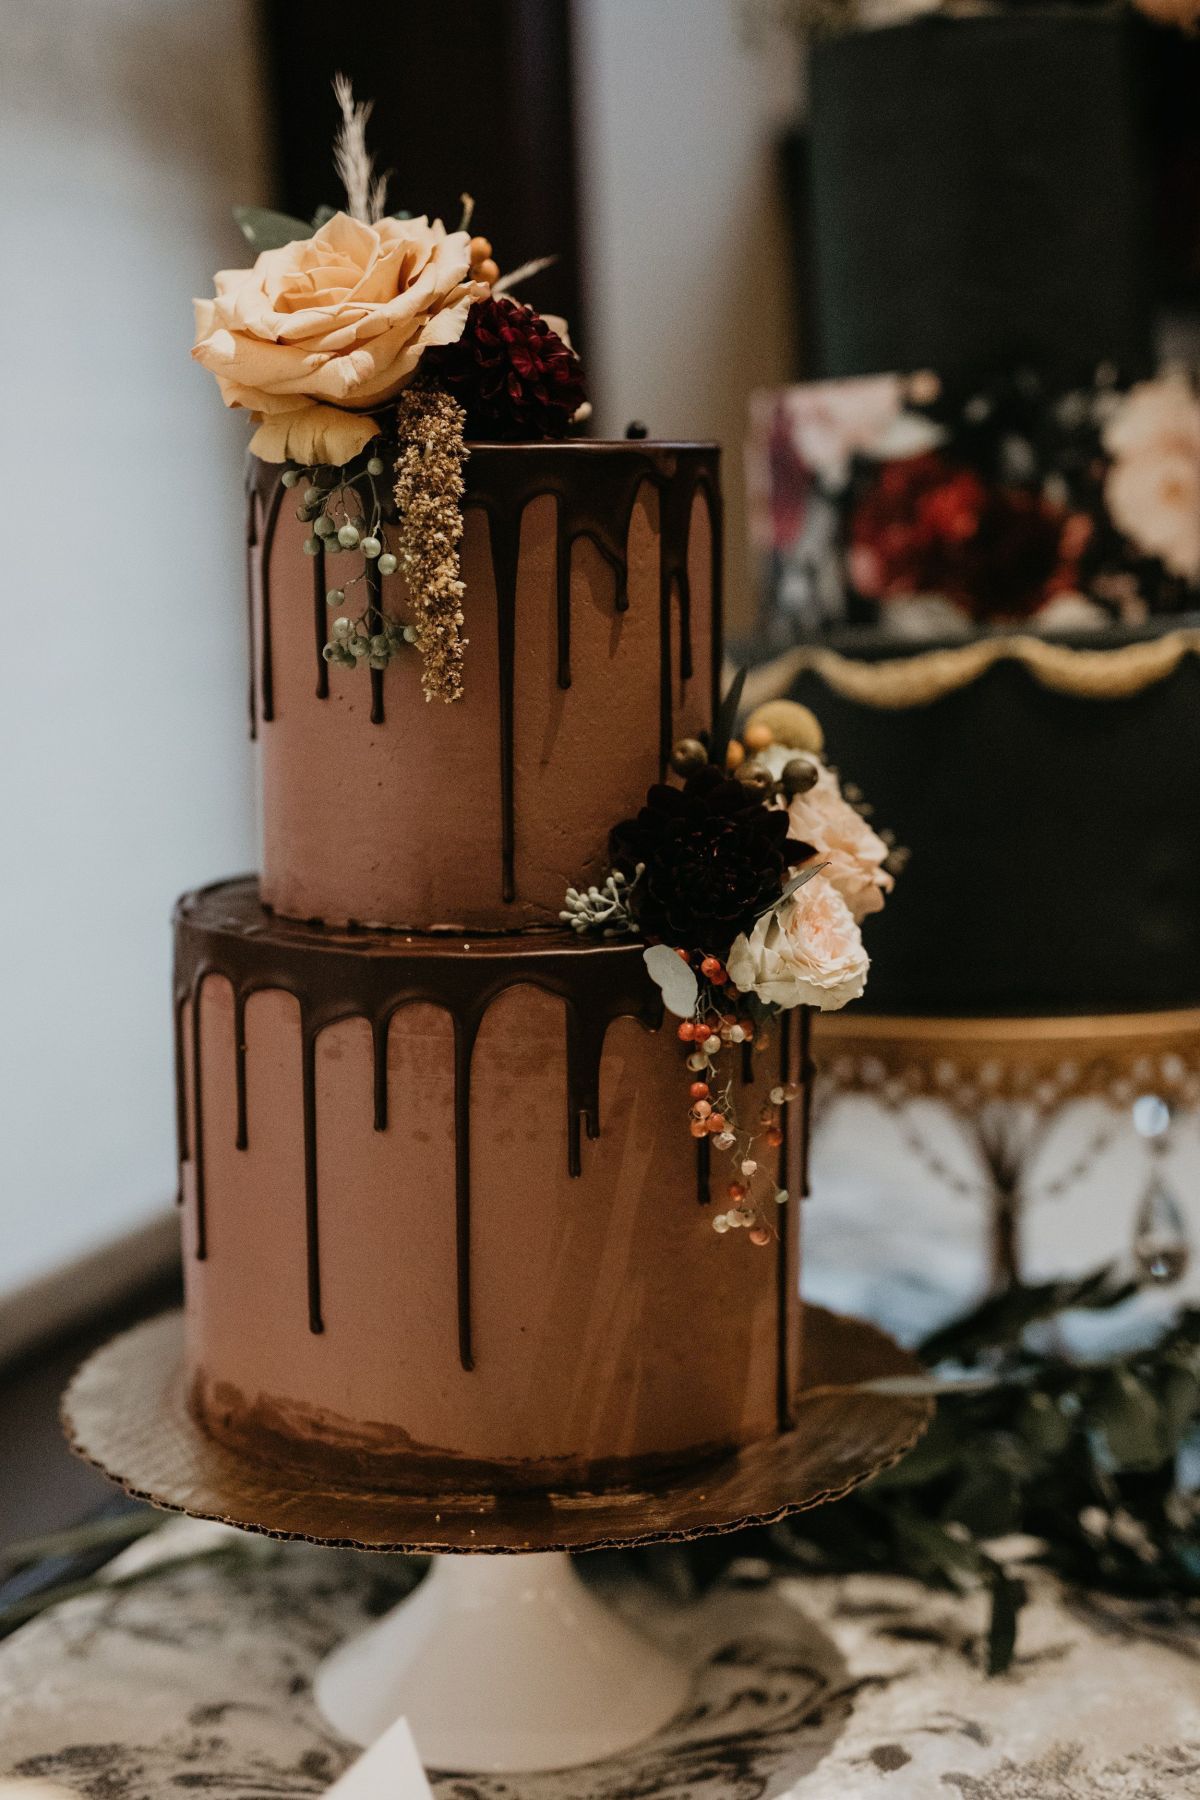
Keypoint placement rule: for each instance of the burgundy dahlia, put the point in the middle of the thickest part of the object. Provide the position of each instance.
(516, 377)
(715, 856)
(929, 526)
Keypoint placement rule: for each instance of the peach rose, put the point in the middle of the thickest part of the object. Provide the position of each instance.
(853, 853)
(1152, 488)
(320, 331)
(807, 951)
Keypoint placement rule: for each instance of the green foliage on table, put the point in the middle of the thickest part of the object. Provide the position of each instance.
(1083, 1456)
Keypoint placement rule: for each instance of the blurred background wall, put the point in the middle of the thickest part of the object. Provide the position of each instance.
(689, 290)
(126, 126)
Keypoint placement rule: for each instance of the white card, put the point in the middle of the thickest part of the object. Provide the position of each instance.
(389, 1770)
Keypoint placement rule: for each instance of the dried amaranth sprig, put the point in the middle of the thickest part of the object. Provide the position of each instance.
(429, 491)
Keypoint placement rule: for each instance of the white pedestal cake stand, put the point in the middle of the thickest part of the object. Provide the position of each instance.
(501, 1662)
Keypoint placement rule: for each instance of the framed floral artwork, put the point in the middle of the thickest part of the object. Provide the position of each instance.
(929, 509)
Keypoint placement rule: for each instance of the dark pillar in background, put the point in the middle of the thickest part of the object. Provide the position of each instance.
(470, 96)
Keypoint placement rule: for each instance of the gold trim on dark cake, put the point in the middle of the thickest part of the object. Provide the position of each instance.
(896, 683)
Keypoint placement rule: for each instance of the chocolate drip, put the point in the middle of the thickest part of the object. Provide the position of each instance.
(320, 610)
(198, 1132)
(505, 532)
(806, 1073)
(181, 1130)
(703, 1171)
(375, 623)
(267, 660)
(253, 572)
(783, 1386)
(333, 975)
(312, 1222)
(379, 1044)
(242, 1140)
(595, 488)
(503, 480)
(747, 1063)
(465, 1031)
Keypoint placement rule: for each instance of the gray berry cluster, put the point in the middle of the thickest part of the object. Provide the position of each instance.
(603, 909)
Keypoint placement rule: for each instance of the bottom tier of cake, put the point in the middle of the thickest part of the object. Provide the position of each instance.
(444, 1223)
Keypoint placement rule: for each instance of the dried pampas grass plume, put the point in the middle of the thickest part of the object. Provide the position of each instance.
(366, 192)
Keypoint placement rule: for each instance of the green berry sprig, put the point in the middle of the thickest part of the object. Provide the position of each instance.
(344, 508)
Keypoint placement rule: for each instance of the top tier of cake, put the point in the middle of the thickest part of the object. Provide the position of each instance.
(980, 195)
(592, 603)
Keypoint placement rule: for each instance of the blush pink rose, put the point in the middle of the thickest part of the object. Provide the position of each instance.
(1152, 488)
(854, 854)
(807, 951)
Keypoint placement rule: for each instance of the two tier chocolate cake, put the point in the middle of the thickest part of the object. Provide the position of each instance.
(489, 1169)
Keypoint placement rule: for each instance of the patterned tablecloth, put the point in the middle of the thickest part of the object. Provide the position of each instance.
(196, 1680)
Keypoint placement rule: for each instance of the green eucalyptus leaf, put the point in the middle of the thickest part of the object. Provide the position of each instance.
(680, 989)
(1129, 1421)
(1043, 1425)
(267, 230)
(726, 719)
(987, 1503)
(998, 1321)
(1179, 1400)
(1008, 1597)
(794, 885)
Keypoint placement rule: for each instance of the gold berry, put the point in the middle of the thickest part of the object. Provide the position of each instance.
(688, 755)
(789, 723)
(479, 249)
(799, 776)
(757, 736)
(735, 756)
(755, 774)
(488, 270)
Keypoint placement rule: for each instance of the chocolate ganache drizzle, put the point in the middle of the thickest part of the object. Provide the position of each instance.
(595, 487)
(224, 931)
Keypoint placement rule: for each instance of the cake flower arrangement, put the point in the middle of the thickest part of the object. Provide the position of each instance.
(370, 340)
(750, 877)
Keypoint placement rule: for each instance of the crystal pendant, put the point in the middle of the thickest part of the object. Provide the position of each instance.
(1161, 1251)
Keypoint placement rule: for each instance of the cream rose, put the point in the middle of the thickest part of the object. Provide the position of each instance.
(854, 854)
(807, 951)
(320, 331)
(1152, 489)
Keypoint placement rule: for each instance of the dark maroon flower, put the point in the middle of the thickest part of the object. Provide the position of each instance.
(517, 379)
(715, 856)
(929, 526)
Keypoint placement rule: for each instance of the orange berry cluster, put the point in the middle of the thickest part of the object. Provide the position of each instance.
(484, 266)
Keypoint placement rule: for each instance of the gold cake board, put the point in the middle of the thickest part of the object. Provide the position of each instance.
(125, 1413)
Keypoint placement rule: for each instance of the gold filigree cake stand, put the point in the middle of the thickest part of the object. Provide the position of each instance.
(1005, 1079)
(501, 1662)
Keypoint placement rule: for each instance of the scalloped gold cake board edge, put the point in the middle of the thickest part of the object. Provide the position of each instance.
(125, 1413)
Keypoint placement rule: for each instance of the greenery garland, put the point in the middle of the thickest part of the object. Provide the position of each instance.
(1085, 1458)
